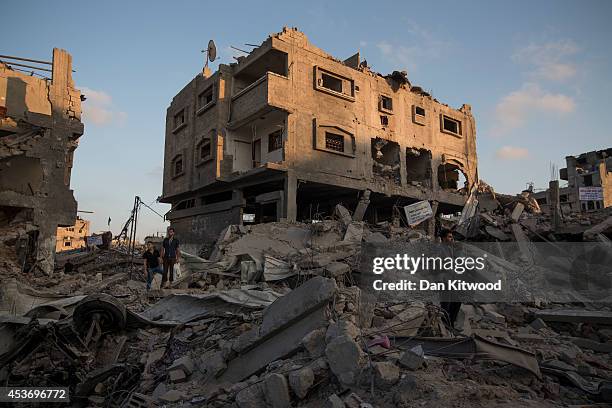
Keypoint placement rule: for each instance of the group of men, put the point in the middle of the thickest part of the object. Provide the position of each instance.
(164, 262)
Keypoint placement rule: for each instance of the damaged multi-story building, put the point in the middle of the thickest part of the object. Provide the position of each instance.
(40, 125)
(289, 131)
(589, 183)
(72, 237)
(589, 180)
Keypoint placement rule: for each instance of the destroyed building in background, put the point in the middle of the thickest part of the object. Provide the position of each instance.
(40, 125)
(72, 237)
(589, 177)
(589, 183)
(289, 131)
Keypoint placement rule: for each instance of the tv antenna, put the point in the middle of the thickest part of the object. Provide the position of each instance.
(211, 52)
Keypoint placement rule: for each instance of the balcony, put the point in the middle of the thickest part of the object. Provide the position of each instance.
(269, 92)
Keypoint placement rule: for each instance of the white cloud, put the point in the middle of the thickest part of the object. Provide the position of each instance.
(550, 61)
(426, 46)
(98, 108)
(512, 153)
(515, 108)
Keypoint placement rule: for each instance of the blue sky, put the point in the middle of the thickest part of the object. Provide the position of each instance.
(537, 74)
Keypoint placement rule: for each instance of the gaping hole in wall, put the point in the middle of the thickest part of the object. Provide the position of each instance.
(451, 177)
(21, 174)
(22, 247)
(245, 143)
(264, 202)
(316, 201)
(386, 159)
(418, 167)
(274, 61)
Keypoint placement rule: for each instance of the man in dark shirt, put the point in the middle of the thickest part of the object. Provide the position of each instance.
(451, 309)
(170, 255)
(152, 263)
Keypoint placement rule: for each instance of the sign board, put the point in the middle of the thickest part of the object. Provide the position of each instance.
(418, 212)
(590, 193)
(248, 217)
(94, 240)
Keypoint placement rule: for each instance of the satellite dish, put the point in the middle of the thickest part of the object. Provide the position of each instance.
(212, 51)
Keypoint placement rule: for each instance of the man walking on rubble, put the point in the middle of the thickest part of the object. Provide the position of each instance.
(171, 255)
(451, 309)
(152, 263)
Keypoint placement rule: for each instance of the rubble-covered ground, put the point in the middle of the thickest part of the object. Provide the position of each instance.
(276, 318)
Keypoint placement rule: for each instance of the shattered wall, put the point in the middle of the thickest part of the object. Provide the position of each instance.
(40, 124)
(289, 118)
(591, 169)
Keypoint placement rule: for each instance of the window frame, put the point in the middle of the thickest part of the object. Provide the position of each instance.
(381, 107)
(417, 117)
(318, 83)
(202, 108)
(182, 112)
(279, 134)
(450, 118)
(175, 160)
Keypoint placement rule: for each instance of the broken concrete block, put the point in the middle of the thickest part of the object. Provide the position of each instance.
(354, 232)
(336, 269)
(343, 214)
(159, 390)
(304, 299)
(386, 374)
(276, 391)
(177, 376)
(173, 396)
(518, 210)
(334, 401)
(345, 359)
(341, 328)
(376, 237)
(411, 360)
(184, 363)
(281, 342)
(301, 380)
(251, 397)
(362, 206)
(212, 363)
(314, 343)
(407, 392)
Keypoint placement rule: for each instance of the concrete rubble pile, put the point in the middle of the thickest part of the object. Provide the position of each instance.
(275, 318)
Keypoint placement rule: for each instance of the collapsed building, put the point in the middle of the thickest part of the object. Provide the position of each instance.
(589, 184)
(589, 177)
(289, 131)
(40, 125)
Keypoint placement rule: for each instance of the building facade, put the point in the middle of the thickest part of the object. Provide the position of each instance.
(589, 180)
(289, 131)
(40, 125)
(72, 237)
